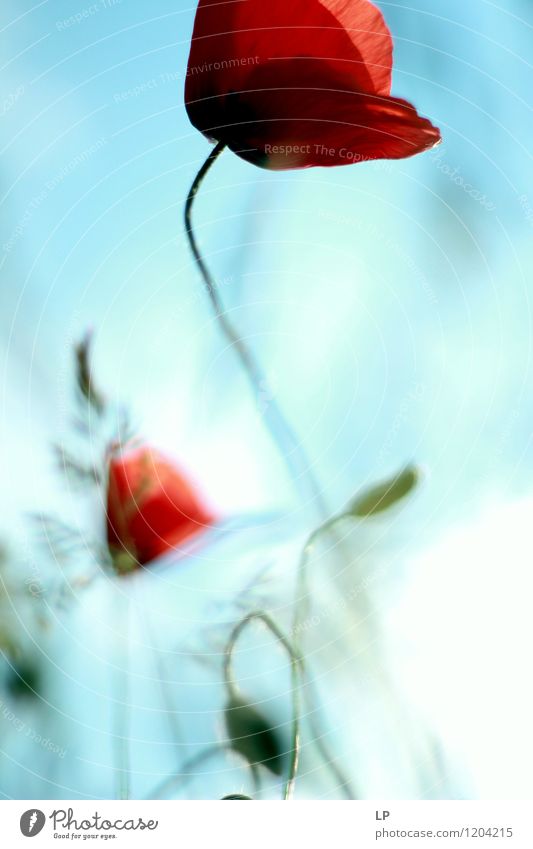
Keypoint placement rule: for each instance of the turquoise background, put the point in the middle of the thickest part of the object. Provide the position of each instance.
(389, 304)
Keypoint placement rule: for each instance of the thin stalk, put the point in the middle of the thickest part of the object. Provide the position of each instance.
(260, 616)
(338, 774)
(301, 591)
(292, 453)
(186, 772)
(279, 428)
(296, 663)
(288, 790)
(300, 606)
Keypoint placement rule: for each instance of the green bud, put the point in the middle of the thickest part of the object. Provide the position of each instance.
(384, 495)
(252, 737)
(237, 796)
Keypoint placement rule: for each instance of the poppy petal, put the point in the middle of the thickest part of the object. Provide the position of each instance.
(151, 506)
(232, 38)
(366, 27)
(298, 113)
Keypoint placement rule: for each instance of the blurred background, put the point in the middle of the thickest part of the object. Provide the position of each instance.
(389, 304)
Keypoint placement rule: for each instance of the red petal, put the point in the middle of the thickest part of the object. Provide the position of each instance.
(230, 39)
(151, 506)
(367, 29)
(297, 113)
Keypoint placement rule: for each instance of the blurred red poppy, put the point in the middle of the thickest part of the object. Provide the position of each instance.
(296, 83)
(151, 508)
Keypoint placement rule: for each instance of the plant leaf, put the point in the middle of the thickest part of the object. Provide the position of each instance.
(70, 466)
(84, 377)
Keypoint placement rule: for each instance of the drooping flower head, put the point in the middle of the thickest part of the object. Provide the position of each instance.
(296, 83)
(151, 508)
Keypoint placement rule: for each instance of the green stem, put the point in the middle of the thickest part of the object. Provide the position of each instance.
(281, 431)
(296, 663)
(300, 609)
(293, 454)
(301, 591)
(186, 773)
(260, 616)
(288, 790)
(293, 649)
(338, 774)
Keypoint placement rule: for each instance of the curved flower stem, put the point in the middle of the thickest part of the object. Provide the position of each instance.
(300, 601)
(301, 591)
(260, 616)
(300, 605)
(187, 770)
(338, 774)
(296, 663)
(282, 433)
(293, 455)
(288, 790)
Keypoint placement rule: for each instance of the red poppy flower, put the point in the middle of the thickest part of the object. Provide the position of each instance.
(296, 83)
(151, 508)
